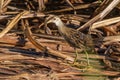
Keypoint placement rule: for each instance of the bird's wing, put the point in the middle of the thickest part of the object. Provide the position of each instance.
(74, 38)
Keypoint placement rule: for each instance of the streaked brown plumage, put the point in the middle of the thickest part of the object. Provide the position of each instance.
(74, 38)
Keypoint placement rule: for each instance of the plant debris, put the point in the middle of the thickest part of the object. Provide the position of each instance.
(32, 50)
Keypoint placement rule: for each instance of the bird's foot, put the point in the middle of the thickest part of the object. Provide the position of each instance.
(87, 68)
(83, 68)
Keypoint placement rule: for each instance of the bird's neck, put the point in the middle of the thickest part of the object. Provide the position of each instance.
(61, 26)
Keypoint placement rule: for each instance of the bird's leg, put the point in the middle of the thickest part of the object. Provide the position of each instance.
(88, 62)
(76, 55)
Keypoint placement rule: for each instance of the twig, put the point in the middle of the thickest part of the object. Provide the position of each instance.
(105, 22)
(100, 15)
(75, 7)
(12, 23)
(39, 46)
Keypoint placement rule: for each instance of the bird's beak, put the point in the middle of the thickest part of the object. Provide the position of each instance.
(49, 21)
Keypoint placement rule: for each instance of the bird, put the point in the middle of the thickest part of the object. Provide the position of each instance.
(73, 37)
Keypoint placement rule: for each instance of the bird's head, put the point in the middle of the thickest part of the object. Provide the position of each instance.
(53, 19)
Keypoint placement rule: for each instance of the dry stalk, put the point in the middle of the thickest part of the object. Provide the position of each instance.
(101, 15)
(106, 22)
(13, 23)
(75, 7)
(39, 46)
